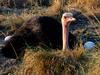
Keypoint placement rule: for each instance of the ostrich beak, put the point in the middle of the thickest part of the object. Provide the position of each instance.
(71, 19)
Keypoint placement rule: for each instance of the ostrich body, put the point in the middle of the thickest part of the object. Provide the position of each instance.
(36, 31)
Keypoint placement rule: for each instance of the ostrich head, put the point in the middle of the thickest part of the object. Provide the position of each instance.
(66, 19)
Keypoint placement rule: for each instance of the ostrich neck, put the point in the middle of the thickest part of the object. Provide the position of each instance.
(65, 33)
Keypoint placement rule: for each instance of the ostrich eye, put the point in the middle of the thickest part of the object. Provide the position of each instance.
(65, 17)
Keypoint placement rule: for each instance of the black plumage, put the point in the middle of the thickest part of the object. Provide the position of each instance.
(41, 29)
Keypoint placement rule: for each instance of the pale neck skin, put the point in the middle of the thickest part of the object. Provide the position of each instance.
(65, 31)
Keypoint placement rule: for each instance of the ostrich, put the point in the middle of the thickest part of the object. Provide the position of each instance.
(40, 30)
(66, 19)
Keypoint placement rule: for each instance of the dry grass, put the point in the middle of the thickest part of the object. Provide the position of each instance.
(76, 62)
(84, 3)
(94, 65)
(55, 8)
(91, 62)
(51, 62)
(2, 18)
(48, 63)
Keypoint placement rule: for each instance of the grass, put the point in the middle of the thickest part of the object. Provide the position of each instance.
(38, 61)
(92, 62)
(47, 63)
(58, 62)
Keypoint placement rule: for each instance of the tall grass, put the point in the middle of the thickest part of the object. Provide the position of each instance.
(48, 63)
(77, 62)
